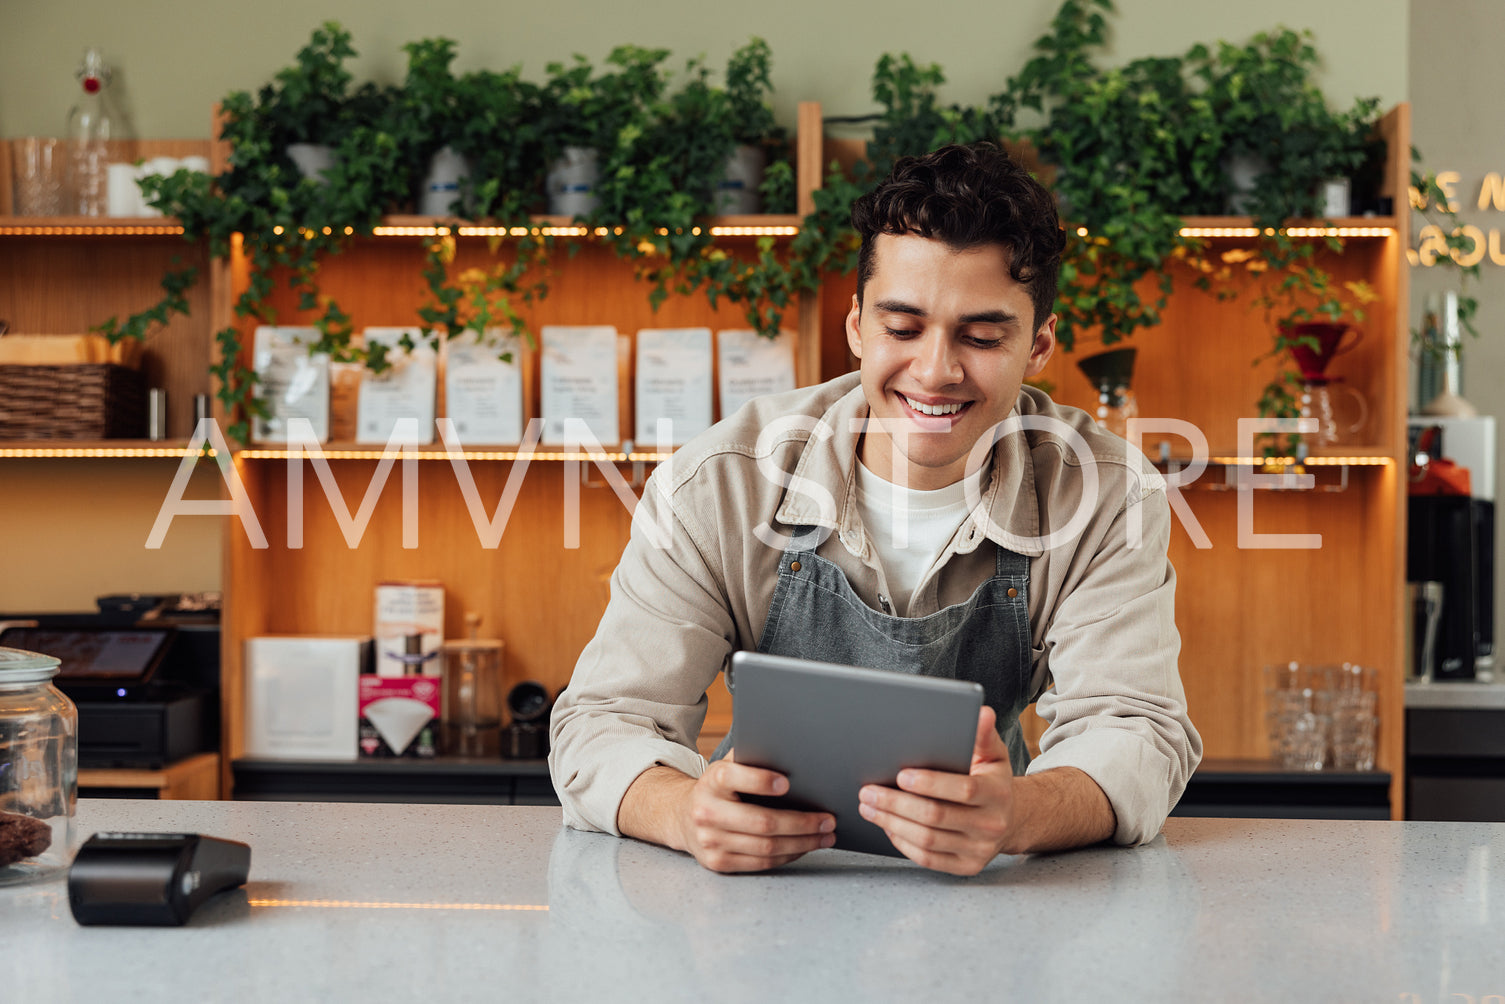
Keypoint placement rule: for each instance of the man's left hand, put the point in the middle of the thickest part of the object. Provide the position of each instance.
(953, 823)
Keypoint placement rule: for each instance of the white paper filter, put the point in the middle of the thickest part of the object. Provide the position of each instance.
(398, 719)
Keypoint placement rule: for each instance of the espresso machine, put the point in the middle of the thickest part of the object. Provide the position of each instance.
(1450, 541)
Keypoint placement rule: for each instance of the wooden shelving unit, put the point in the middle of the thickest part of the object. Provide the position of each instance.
(542, 598)
(1238, 609)
(195, 777)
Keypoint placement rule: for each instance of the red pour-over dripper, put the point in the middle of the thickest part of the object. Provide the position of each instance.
(1329, 336)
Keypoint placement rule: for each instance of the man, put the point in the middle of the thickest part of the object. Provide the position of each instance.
(1035, 563)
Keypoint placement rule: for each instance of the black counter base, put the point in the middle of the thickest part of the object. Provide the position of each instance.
(1257, 789)
(436, 781)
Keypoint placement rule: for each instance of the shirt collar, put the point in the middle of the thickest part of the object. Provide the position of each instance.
(1008, 513)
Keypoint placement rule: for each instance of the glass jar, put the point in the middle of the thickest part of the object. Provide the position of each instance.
(38, 769)
(473, 697)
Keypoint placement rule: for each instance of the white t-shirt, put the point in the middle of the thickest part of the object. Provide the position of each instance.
(909, 528)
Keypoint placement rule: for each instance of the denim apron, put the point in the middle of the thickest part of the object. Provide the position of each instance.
(815, 614)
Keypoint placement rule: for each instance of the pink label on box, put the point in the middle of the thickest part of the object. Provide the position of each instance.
(399, 715)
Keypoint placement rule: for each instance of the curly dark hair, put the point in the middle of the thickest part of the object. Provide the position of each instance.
(968, 197)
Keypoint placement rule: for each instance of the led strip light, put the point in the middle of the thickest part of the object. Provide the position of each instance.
(96, 451)
(1290, 461)
(343, 454)
(349, 904)
(92, 230)
(1246, 232)
(568, 231)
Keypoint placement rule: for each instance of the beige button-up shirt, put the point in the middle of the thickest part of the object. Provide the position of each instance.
(697, 577)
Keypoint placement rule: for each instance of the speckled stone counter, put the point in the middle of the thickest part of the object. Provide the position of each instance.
(1459, 694)
(441, 904)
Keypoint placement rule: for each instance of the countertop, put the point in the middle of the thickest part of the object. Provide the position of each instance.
(1456, 694)
(372, 903)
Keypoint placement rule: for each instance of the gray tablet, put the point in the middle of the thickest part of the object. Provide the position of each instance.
(832, 729)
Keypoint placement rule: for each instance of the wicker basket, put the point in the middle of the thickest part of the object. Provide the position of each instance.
(84, 401)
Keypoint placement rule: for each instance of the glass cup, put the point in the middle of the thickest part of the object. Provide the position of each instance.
(1354, 722)
(1354, 731)
(1298, 702)
(41, 170)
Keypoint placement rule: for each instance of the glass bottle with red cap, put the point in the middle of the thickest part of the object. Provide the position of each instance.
(89, 135)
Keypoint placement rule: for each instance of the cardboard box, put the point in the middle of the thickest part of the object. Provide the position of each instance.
(399, 717)
(404, 611)
(301, 696)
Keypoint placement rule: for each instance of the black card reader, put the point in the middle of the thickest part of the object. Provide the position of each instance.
(152, 879)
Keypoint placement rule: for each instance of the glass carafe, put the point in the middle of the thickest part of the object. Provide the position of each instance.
(38, 769)
(472, 709)
(1339, 410)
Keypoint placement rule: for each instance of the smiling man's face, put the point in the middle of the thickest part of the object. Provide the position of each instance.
(945, 339)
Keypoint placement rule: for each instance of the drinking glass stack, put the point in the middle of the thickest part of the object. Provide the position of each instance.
(1321, 715)
(1354, 722)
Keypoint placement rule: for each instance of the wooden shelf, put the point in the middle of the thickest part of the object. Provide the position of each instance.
(92, 448)
(89, 226)
(1355, 456)
(195, 777)
(479, 228)
(783, 225)
(1367, 226)
(437, 451)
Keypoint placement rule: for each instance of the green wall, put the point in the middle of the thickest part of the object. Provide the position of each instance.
(176, 57)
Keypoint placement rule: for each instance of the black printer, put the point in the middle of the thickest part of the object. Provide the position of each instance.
(143, 671)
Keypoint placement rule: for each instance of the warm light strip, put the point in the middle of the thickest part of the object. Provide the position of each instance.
(93, 230)
(1289, 461)
(608, 458)
(1340, 231)
(781, 231)
(350, 904)
(484, 231)
(754, 231)
(97, 451)
(1288, 231)
(409, 231)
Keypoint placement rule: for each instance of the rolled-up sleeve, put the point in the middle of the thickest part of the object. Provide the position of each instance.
(1117, 707)
(637, 697)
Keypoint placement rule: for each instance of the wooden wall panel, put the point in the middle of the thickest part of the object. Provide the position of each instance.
(1198, 364)
(67, 285)
(540, 597)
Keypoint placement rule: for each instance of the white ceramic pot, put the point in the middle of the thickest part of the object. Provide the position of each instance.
(1243, 173)
(1336, 197)
(571, 182)
(312, 160)
(447, 182)
(736, 191)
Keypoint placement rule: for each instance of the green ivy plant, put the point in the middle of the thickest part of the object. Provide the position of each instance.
(288, 222)
(1269, 108)
(1133, 148)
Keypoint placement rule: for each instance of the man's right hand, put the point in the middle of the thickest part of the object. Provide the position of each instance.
(705, 817)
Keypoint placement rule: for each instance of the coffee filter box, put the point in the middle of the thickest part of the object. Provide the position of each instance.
(399, 717)
(399, 704)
